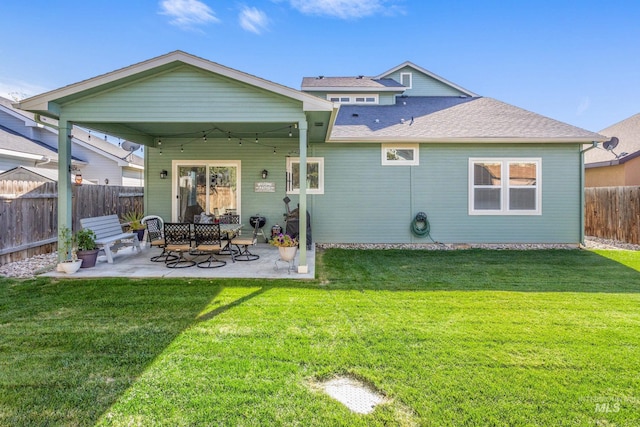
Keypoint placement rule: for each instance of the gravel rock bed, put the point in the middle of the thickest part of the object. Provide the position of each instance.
(31, 267)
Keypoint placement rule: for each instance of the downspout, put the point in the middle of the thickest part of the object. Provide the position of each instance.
(582, 182)
(44, 161)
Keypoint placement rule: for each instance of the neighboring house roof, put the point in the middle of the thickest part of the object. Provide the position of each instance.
(26, 173)
(628, 134)
(428, 73)
(16, 145)
(341, 84)
(451, 119)
(123, 157)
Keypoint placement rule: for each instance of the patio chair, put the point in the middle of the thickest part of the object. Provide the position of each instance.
(244, 254)
(208, 241)
(177, 236)
(155, 236)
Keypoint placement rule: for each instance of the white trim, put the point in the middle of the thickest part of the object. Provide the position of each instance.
(320, 161)
(207, 164)
(352, 98)
(410, 80)
(504, 185)
(386, 162)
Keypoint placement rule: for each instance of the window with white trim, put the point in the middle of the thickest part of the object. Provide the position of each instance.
(400, 154)
(499, 186)
(315, 175)
(353, 98)
(406, 79)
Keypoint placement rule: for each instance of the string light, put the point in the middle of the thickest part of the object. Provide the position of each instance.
(290, 132)
(182, 148)
(204, 136)
(240, 143)
(160, 141)
(256, 138)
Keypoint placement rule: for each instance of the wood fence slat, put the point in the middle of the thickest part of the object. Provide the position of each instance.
(29, 213)
(613, 213)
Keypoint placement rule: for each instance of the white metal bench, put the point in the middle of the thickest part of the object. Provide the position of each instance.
(109, 234)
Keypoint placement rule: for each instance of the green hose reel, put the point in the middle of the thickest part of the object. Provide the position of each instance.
(420, 225)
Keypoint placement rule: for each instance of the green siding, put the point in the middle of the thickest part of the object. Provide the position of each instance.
(366, 202)
(254, 158)
(423, 85)
(185, 94)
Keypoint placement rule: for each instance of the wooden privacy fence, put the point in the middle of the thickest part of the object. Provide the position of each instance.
(29, 213)
(613, 213)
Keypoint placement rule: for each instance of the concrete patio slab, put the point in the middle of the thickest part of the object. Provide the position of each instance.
(129, 263)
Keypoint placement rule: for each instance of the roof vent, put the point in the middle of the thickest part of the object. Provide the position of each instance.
(354, 115)
(360, 76)
(320, 77)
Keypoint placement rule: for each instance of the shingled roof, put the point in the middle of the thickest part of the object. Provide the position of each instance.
(464, 119)
(628, 134)
(351, 83)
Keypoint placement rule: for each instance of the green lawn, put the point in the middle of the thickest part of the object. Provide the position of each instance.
(461, 338)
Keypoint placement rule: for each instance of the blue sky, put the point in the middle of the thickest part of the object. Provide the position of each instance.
(575, 61)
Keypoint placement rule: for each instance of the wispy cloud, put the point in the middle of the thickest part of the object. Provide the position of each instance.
(344, 9)
(583, 106)
(187, 14)
(16, 90)
(254, 20)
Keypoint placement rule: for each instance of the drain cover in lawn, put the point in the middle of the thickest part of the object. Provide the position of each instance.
(353, 394)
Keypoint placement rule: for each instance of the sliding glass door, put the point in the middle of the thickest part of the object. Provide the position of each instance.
(211, 187)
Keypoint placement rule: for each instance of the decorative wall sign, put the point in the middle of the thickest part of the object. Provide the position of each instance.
(264, 187)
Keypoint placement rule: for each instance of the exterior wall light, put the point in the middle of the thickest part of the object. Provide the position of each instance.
(265, 173)
(78, 179)
(163, 174)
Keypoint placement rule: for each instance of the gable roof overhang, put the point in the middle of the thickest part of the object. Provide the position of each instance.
(42, 104)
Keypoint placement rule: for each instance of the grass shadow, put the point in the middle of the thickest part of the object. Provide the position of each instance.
(69, 349)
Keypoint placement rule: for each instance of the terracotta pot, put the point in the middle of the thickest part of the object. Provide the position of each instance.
(287, 253)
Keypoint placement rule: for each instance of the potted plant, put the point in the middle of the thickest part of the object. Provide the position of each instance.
(70, 263)
(287, 246)
(87, 247)
(134, 220)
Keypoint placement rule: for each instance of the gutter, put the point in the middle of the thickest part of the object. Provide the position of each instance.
(594, 144)
(38, 119)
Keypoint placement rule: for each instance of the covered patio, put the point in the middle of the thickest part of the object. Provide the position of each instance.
(129, 263)
(203, 127)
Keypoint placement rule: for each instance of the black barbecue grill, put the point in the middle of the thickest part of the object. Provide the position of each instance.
(261, 221)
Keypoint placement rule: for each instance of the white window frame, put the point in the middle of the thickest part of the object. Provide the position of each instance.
(505, 186)
(387, 147)
(410, 75)
(320, 161)
(350, 98)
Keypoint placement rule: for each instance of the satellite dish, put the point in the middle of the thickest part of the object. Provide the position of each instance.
(610, 144)
(130, 146)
